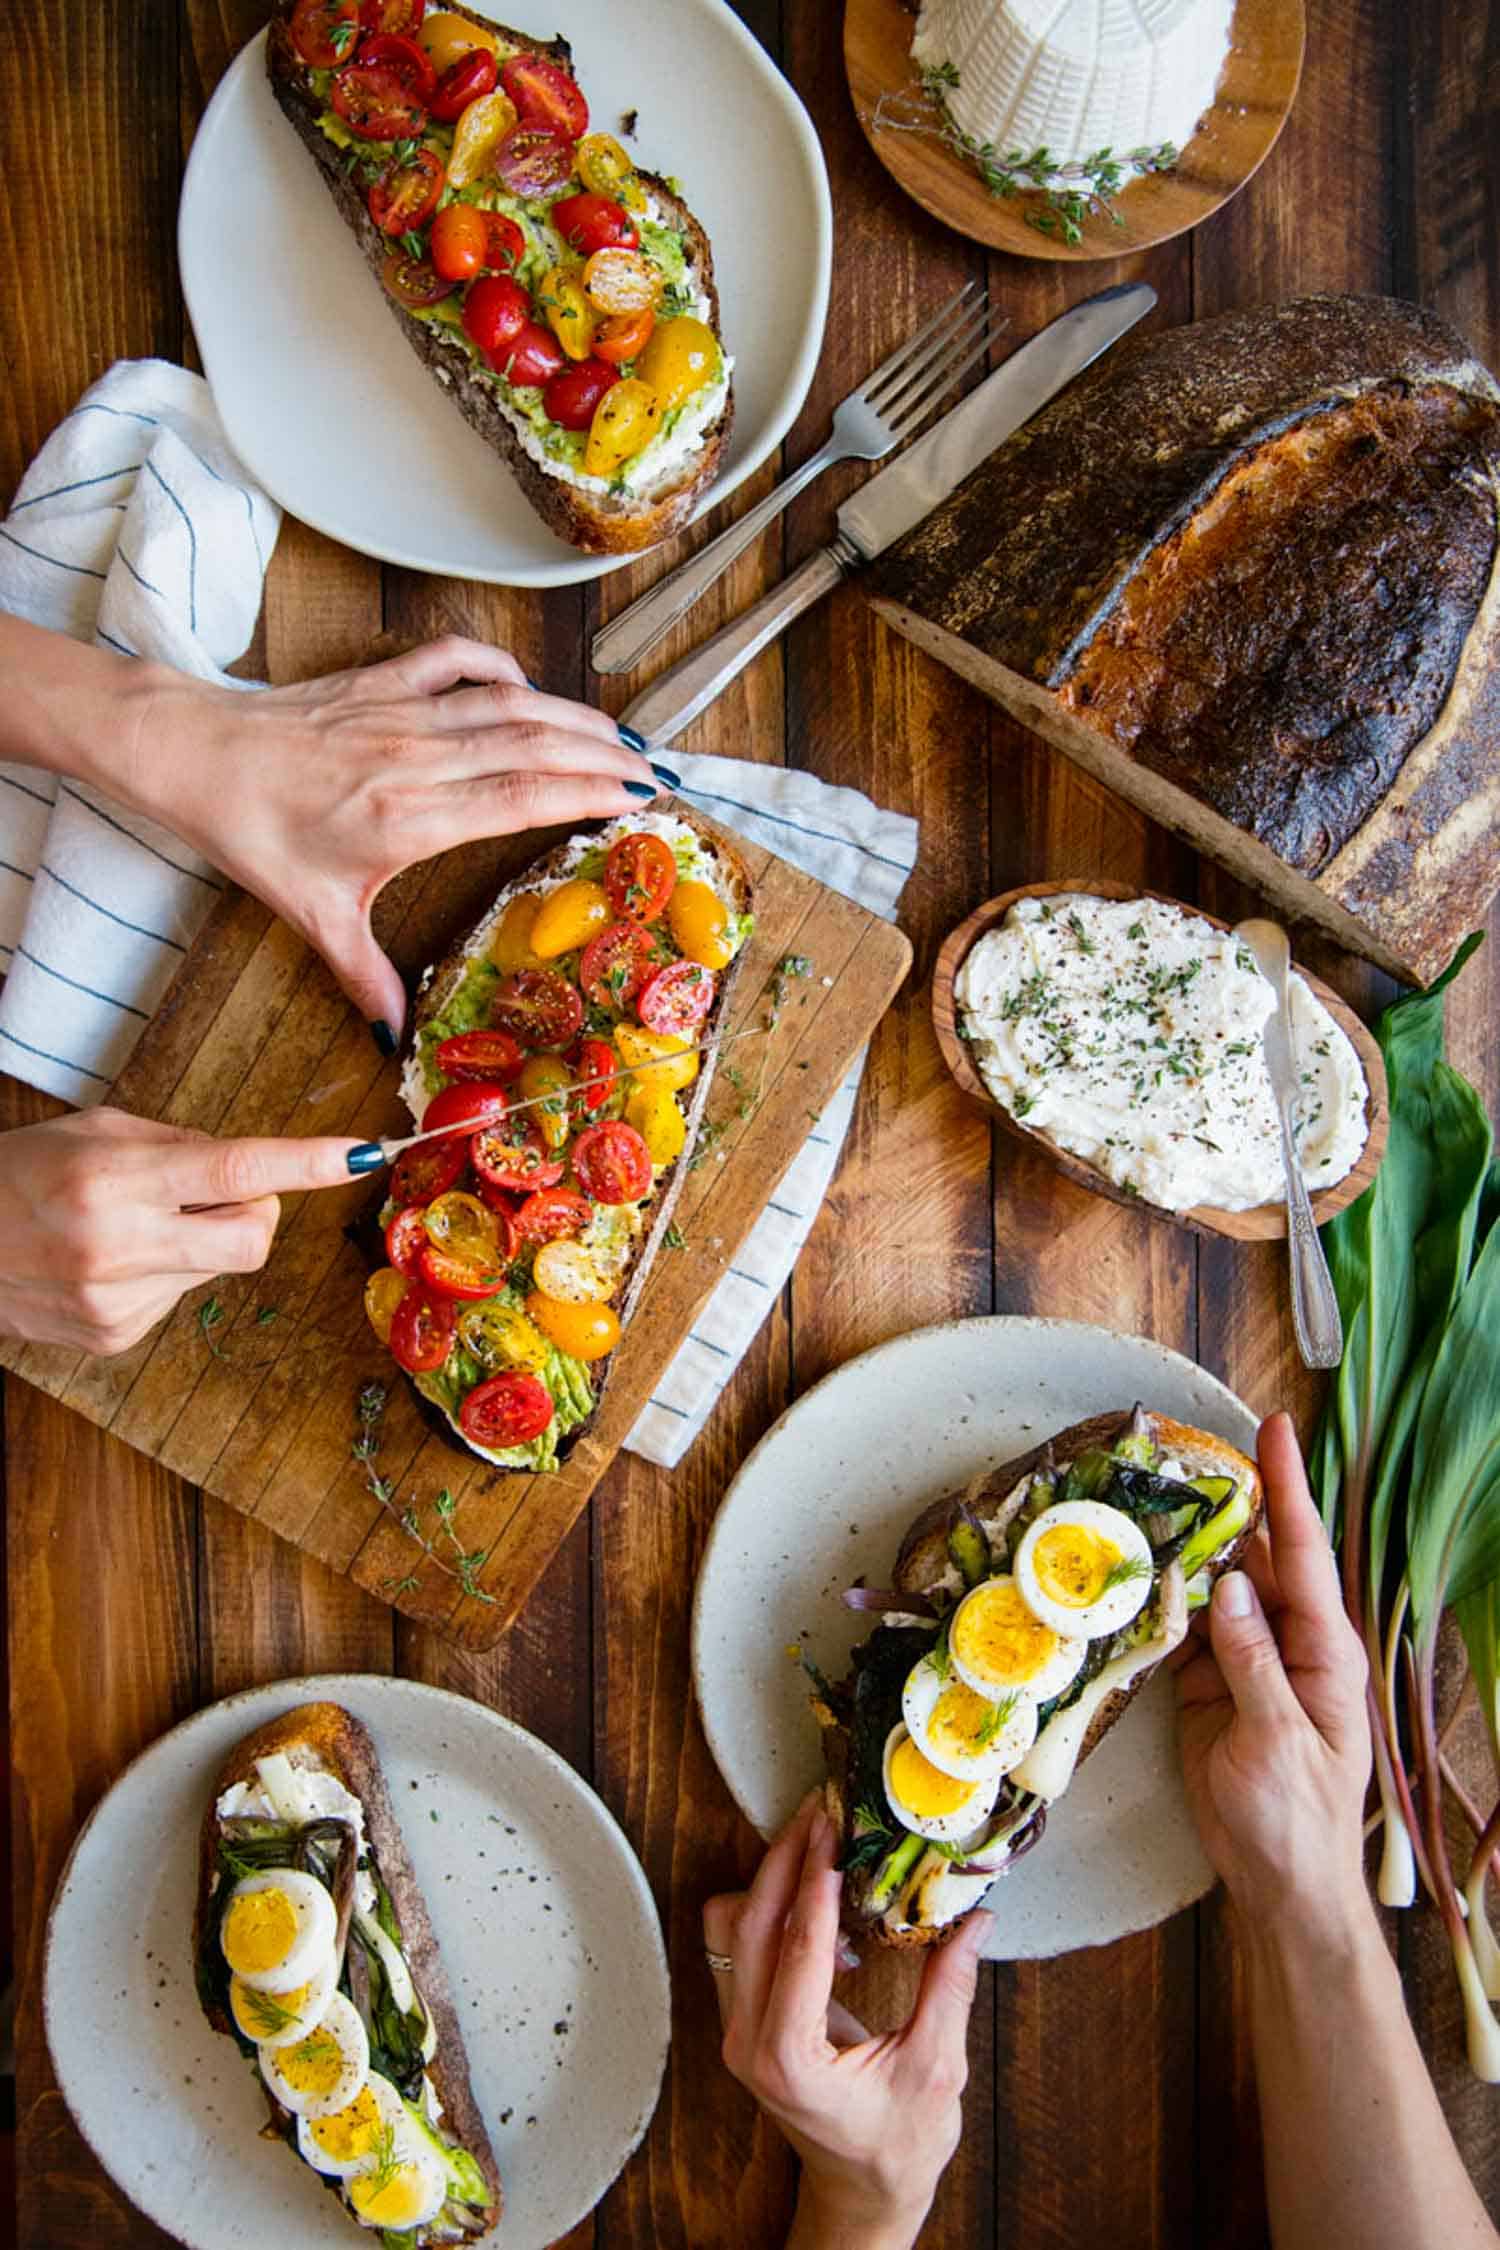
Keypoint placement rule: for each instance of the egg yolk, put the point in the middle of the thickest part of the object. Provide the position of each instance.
(312, 2065)
(351, 2131)
(1072, 1564)
(919, 1786)
(996, 1634)
(259, 1930)
(260, 2015)
(390, 2196)
(960, 1721)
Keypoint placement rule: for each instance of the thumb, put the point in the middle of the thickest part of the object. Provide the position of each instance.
(365, 973)
(940, 2022)
(1247, 1653)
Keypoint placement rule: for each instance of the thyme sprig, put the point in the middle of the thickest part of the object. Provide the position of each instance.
(443, 1548)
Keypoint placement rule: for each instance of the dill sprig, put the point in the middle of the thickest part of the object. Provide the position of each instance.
(1128, 1571)
(443, 1547)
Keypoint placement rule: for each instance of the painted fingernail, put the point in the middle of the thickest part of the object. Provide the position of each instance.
(383, 1036)
(666, 777)
(631, 739)
(1234, 1597)
(534, 685)
(368, 1157)
(640, 788)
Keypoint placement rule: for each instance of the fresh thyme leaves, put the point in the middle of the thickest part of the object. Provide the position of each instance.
(443, 1548)
(1085, 942)
(674, 1237)
(210, 1313)
(265, 1314)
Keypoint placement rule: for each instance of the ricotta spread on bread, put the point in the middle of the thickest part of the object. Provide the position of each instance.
(1128, 1032)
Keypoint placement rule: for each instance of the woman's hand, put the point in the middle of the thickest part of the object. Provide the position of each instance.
(873, 2120)
(106, 1220)
(1275, 1737)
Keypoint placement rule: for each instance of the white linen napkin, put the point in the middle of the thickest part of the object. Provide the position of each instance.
(136, 527)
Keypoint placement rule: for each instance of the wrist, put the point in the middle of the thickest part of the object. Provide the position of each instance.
(1334, 1936)
(834, 2214)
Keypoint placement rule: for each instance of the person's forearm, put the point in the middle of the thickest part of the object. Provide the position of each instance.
(1357, 2148)
(74, 710)
(828, 2220)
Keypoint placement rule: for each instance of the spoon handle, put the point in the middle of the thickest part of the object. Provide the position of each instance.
(1315, 1305)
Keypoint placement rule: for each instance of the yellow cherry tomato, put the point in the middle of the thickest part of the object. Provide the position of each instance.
(681, 356)
(605, 169)
(699, 921)
(510, 947)
(543, 1075)
(501, 1336)
(621, 281)
(569, 916)
(383, 1293)
(625, 420)
(569, 313)
(446, 36)
(582, 1331)
(565, 1272)
(674, 1061)
(463, 1227)
(476, 137)
(655, 1115)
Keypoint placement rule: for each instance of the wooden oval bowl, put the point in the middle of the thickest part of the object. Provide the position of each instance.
(1265, 1221)
(1256, 90)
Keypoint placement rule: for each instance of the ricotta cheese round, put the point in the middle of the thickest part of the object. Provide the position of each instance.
(1128, 1032)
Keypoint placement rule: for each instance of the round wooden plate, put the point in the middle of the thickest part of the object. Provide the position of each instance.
(1256, 90)
(1266, 1221)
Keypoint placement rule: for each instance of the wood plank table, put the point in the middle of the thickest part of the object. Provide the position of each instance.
(133, 1599)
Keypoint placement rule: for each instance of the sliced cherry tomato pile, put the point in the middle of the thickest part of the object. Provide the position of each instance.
(563, 1103)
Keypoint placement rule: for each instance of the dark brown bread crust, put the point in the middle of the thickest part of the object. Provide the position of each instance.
(344, 1747)
(598, 525)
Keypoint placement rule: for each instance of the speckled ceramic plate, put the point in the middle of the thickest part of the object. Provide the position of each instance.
(542, 1913)
(824, 1499)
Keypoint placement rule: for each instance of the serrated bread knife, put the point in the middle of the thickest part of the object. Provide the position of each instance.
(885, 508)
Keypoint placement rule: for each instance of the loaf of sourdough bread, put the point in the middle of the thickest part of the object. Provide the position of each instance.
(1247, 573)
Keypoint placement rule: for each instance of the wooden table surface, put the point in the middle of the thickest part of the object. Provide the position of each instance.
(1110, 2098)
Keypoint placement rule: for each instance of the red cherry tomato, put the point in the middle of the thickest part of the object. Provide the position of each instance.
(410, 64)
(479, 1054)
(597, 1060)
(510, 1409)
(414, 282)
(593, 222)
(552, 1213)
(530, 358)
(570, 397)
(546, 94)
(515, 1157)
(531, 161)
(477, 1104)
(495, 310)
(616, 964)
(463, 82)
(422, 1332)
(447, 1276)
(324, 31)
(405, 197)
(623, 336)
(504, 243)
(401, 16)
(613, 1163)
(677, 998)
(406, 1239)
(457, 243)
(423, 1174)
(376, 104)
(539, 1007)
(640, 875)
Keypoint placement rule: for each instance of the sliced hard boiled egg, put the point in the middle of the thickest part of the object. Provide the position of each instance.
(344, 2141)
(324, 2069)
(928, 1801)
(276, 2019)
(277, 1929)
(961, 1733)
(1084, 1568)
(999, 1645)
(405, 2185)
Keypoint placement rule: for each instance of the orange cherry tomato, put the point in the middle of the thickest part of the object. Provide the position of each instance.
(583, 1331)
(699, 921)
(640, 875)
(447, 37)
(621, 281)
(623, 336)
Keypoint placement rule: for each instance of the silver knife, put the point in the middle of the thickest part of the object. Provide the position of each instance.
(881, 511)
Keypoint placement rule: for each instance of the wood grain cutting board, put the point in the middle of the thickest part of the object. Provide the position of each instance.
(260, 1407)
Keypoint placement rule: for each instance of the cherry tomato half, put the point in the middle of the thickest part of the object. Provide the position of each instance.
(405, 197)
(616, 964)
(509, 1409)
(403, 16)
(539, 1007)
(584, 1331)
(376, 104)
(463, 1279)
(324, 31)
(463, 1227)
(570, 397)
(406, 59)
(640, 875)
(414, 282)
(546, 94)
(406, 1239)
(552, 1213)
(596, 1061)
(514, 1156)
(565, 1272)
(476, 1104)
(480, 1054)
(677, 998)
(531, 161)
(463, 82)
(421, 1332)
(593, 222)
(623, 336)
(613, 1163)
(604, 166)
(383, 1293)
(618, 281)
(447, 37)
(530, 358)
(423, 1173)
(495, 310)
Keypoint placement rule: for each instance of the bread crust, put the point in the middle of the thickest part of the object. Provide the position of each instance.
(343, 1746)
(597, 524)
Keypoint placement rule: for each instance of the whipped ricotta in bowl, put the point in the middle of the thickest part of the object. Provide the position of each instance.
(1128, 1032)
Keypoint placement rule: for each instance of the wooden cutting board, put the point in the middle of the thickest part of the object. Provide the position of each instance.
(251, 1388)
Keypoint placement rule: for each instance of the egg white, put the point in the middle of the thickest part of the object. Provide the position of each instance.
(1056, 1670)
(308, 2014)
(415, 2194)
(1114, 1608)
(313, 1940)
(390, 2110)
(342, 2023)
(1014, 1731)
(940, 1828)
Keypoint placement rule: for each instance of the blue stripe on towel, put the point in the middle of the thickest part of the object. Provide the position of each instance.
(25, 1044)
(154, 471)
(79, 570)
(107, 997)
(11, 783)
(667, 1408)
(108, 913)
(88, 806)
(79, 484)
(128, 414)
(135, 574)
(123, 646)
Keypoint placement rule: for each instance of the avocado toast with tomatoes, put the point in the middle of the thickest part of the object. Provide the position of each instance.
(563, 298)
(566, 1039)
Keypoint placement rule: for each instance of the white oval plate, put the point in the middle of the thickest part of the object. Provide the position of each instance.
(824, 1500)
(327, 404)
(543, 1916)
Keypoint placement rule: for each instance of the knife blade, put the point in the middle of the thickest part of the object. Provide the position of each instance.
(897, 498)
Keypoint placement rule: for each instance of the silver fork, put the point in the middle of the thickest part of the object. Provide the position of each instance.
(869, 424)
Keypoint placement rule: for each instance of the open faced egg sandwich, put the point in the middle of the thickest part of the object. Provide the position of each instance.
(313, 1951)
(1024, 1615)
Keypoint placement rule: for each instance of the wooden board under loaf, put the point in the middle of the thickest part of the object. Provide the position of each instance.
(259, 1405)
(1247, 573)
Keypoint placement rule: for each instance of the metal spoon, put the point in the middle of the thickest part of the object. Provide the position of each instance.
(1315, 1306)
